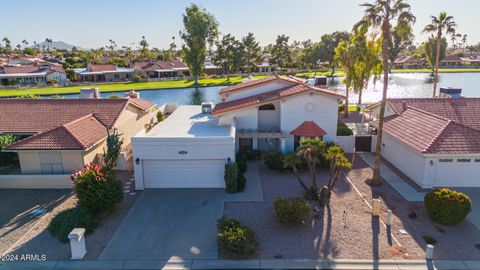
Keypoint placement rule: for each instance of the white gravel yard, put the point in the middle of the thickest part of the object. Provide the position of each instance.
(346, 230)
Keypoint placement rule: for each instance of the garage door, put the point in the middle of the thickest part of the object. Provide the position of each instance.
(183, 173)
(457, 174)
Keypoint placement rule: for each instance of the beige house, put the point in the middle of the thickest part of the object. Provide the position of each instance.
(61, 135)
(104, 73)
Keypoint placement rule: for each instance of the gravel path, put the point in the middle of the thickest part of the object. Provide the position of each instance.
(39, 241)
(347, 230)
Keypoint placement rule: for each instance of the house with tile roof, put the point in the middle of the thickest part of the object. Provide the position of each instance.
(191, 147)
(104, 73)
(161, 69)
(33, 75)
(57, 136)
(433, 141)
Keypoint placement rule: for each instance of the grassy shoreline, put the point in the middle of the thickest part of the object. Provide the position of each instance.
(120, 87)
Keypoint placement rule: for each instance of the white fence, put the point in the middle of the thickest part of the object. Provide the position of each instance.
(36, 181)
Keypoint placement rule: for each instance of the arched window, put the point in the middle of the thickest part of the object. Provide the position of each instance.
(267, 107)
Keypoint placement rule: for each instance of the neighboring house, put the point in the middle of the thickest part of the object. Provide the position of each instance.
(265, 67)
(161, 69)
(435, 142)
(104, 73)
(407, 61)
(190, 148)
(32, 75)
(472, 60)
(451, 61)
(61, 135)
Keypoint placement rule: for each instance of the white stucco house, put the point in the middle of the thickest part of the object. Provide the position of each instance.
(435, 142)
(190, 148)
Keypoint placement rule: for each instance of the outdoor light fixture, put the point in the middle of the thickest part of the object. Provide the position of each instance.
(229, 160)
(137, 161)
(431, 162)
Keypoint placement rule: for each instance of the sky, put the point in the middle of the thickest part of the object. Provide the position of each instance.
(91, 23)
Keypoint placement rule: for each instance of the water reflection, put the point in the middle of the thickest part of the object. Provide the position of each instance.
(196, 97)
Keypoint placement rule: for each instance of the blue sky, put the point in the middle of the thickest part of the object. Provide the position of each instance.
(91, 23)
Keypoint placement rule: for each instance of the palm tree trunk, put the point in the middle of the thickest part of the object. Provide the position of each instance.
(295, 171)
(376, 180)
(437, 61)
(360, 97)
(347, 86)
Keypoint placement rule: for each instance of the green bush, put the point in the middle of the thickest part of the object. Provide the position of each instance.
(274, 161)
(343, 130)
(447, 206)
(242, 182)
(6, 157)
(63, 223)
(231, 177)
(161, 116)
(253, 154)
(292, 211)
(97, 189)
(235, 238)
(241, 163)
(429, 240)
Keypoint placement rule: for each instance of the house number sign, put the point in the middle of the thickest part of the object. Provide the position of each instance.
(182, 152)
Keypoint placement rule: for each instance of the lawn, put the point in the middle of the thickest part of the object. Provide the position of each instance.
(442, 70)
(114, 87)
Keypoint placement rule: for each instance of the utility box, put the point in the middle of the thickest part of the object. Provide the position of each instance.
(376, 207)
(77, 243)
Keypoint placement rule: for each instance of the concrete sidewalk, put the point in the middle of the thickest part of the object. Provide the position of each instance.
(245, 264)
(406, 190)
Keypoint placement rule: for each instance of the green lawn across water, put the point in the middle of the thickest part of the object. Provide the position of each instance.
(115, 87)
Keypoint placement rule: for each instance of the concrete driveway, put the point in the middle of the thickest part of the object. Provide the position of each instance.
(169, 224)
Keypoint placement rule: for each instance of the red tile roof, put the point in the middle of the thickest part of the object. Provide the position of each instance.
(252, 83)
(308, 129)
(465, 111)
(96, 68)
(270, 96)
(80, 134)
(24, 69)
(430, 133)
(171, 64)
(143, 104)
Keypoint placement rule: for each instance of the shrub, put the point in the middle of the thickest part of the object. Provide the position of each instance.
(6, 157)
(343, 130)
(160, 116)
(292, 211)
(447, 206)
(241, 163)
(137, 78)
(253, 154)
(114, 97)
(97, 189)
(242, 182)
(274, 161)
(63, 223)
(429, 240)
(236, 238)
(231, 177)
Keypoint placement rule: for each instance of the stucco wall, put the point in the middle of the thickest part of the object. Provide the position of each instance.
(269, 119)
(30, 161)
(321, 109)
(455, 173)
(245, 118)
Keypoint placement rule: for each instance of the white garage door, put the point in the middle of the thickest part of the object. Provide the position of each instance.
(184, 173)
(458, 174)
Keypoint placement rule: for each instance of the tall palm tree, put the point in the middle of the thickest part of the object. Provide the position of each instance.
(345, 57)
(381, 15)
(464, 42)
(439, 25)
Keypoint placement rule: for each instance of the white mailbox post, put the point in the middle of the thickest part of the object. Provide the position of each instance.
(77, 243)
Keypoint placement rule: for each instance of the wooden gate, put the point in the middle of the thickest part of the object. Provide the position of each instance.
(363, 143)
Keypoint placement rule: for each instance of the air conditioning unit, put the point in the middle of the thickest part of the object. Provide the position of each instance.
(207, 108)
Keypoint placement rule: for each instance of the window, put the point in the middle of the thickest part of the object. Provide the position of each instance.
(245, 144)
(463, 160)
(128, 76)
(116, 76)
(51, 162)
(267, 107)
(445, 160)
(477, 160)
(296, 142)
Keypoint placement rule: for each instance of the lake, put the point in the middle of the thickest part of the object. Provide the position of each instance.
(401, 85)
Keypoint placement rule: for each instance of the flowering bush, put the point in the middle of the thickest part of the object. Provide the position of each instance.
(97, 189)
(447, 206)
(236, 238)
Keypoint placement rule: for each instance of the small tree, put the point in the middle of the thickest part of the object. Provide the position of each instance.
(114, 146)
(338, 161)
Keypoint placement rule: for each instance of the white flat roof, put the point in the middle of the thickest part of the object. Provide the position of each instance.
(188, 121)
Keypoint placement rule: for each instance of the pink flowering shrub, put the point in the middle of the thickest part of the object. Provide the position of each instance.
(97, 188)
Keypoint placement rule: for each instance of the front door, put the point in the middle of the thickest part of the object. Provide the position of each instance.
(245, 144)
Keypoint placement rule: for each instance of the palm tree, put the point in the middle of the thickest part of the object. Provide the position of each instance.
(25, 42)
(453, 38)
(439, 25)
(464, 42)
(381, 15)
(345, 57)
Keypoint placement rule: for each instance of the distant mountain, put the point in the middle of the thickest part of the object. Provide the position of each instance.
(58, 45)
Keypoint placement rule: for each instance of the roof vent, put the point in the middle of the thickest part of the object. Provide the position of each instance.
(450, 92)
(207, 108)
(89, 93)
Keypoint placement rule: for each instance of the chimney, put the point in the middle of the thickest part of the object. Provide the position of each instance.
(89, 93)
(404, 105)
(132, 94)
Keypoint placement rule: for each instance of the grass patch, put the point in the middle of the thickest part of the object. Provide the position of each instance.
(441, 70)
(117, 87)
